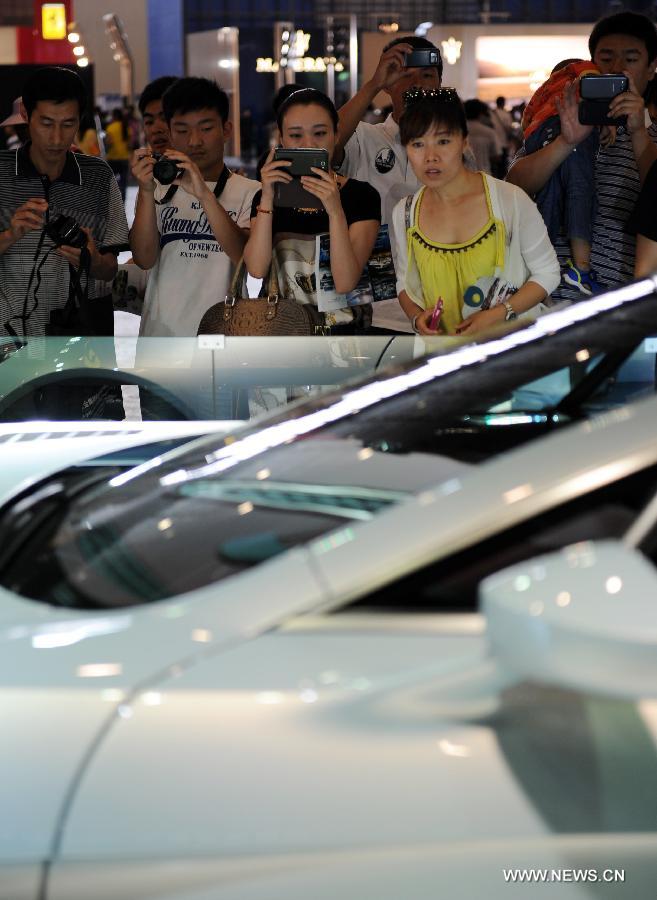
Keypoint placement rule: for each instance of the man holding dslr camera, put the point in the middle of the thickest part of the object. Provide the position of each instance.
(192, 212)
(49, 264)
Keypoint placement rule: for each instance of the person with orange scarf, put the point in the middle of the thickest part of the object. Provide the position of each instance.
(568, 200)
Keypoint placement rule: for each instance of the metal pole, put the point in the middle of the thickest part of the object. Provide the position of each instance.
(353, 54)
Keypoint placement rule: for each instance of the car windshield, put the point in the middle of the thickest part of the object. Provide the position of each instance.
(100, 537)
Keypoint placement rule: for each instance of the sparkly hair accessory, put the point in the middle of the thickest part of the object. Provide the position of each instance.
(417, 95)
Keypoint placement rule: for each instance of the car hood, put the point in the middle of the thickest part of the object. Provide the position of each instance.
(68, 674)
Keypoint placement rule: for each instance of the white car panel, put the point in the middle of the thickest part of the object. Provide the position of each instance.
(299, 726)
(468, 871)
(93, 662)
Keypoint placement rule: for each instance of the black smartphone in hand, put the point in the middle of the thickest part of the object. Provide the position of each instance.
(302, 160)
(421, 58)
(596, 92)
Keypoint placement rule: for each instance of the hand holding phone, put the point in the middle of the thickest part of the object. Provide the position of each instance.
(596, 93)
(302, 160)
(436, 314)
(422, 58)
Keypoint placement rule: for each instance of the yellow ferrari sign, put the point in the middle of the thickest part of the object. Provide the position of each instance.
(53, 21)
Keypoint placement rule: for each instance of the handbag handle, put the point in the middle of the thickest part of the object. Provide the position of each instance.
(235, 292)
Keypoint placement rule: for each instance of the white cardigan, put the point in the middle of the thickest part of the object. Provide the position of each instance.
(529, 255)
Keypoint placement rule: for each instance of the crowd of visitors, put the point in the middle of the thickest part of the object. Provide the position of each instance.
(476, 237)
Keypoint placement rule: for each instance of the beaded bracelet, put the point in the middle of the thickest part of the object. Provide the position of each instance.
(267, 212)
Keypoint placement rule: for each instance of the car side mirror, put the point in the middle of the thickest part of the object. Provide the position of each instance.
(583, 618)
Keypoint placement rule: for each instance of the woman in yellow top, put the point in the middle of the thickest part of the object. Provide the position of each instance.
(475, 242)
(87, 139)
(118, 150)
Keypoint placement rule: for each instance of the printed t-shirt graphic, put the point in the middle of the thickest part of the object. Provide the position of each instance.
(192, 272)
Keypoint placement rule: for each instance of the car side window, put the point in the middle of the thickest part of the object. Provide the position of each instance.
(451, 584)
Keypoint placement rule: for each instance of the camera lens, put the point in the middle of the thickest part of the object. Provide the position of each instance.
(165, 170)
(64, 230)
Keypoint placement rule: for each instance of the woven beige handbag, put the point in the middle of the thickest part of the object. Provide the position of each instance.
(272, 315)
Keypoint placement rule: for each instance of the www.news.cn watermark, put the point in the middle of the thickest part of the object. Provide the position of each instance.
(559, 876)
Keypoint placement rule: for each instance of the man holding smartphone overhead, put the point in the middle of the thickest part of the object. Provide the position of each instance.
(621, 44)
(373, 152)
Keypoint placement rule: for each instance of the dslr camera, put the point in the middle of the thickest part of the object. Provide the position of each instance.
(165, 170)
(63, 229)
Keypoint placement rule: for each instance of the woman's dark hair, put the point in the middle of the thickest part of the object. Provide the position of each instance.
(631, 23)
(430, 112)
(154, 90)
(55, 84)
(283, 93)
(307, 97)
(191, 94)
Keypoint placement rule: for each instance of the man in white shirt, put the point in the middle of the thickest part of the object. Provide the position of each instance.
(191, 233)
(482, 138)
(502, 123)
(373, 152)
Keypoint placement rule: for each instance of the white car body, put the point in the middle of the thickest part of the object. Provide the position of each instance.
(251, 741)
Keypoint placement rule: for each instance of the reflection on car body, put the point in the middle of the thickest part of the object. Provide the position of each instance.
(299, 629)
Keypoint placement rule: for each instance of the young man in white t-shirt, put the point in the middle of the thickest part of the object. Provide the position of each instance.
(191, 237)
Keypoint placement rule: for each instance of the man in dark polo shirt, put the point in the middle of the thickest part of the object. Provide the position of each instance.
(40, 181)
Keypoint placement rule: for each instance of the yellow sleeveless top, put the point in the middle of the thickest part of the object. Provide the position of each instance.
(451, 271)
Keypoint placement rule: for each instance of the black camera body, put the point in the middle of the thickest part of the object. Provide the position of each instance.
(165, 170)
(64, 230)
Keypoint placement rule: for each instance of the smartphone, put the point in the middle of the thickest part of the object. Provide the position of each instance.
(596, 92)
(302, 159)
(421, 58)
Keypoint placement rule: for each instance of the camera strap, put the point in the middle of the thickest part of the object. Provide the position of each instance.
(78, 297)
(218, 188)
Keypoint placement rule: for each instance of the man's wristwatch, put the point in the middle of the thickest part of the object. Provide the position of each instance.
(510, 312)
